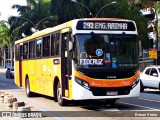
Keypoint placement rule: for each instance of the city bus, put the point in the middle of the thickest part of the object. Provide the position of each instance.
(83, 59)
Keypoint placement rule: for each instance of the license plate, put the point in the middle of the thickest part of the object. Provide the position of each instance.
(111, 93)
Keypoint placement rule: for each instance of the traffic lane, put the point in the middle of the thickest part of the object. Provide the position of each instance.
(150, 99)
(7, 83)
(149, 93)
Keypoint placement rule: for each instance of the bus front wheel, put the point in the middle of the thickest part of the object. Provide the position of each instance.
(28, 92)
(61, 101)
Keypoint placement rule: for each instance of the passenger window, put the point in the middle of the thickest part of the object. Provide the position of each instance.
(57, 44)
(39, 48)
(32, 49)
(147, 71)
(52, 44)
(46, 46)
(25, 50)
(17, 52)
(55, 39)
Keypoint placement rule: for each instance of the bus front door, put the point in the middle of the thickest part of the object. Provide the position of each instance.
(66, 62)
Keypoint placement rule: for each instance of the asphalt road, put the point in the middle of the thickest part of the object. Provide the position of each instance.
(130, 108)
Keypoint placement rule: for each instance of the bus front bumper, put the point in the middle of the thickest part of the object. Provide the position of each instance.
(81, 93)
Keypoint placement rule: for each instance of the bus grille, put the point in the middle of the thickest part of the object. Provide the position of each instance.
(103, 91)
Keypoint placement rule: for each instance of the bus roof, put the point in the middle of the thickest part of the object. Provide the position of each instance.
(62, 26)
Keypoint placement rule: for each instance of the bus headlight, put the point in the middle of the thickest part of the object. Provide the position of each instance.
(135, 82)
(82, 83)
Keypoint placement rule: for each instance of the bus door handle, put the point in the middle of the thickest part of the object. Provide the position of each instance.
(56, 61)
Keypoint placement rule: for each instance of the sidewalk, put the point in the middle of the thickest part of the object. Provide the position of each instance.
(7, 113)
(2, 69)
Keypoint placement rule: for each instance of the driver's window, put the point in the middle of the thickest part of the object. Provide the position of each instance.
(147, 71)
(154, 72)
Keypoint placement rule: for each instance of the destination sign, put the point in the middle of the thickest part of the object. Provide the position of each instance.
(106, 25)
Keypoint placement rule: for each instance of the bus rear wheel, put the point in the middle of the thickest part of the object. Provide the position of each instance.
(28, 92)
(61, 101)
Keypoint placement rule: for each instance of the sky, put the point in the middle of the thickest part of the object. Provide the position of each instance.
(6, 8)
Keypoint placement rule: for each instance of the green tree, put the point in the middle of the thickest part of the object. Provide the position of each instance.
(68, 10)
(4, 34)
(5, 39)
(35, 15)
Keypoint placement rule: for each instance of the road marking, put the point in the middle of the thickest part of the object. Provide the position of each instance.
(108, 109)
(140, 106)
(149, 94)
(148, 100)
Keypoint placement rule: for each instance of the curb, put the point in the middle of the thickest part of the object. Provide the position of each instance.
(10, 104)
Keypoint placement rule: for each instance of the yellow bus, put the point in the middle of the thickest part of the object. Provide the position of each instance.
(83, 59)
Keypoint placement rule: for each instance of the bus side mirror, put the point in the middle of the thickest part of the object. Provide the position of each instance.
(155, 74)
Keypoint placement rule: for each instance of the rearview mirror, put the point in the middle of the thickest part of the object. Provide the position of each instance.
(155, 74)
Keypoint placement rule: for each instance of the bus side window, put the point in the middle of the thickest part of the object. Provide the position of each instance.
(52, 44)
(17, 52)
(39, 48)
(46, 46)
(55, 39)
(25, 50)
(32, 49)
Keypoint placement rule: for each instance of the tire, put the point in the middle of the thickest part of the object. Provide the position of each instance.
(28, 92)
(141, 87)
(60, 100)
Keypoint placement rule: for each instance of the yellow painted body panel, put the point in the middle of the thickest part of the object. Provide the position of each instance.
(41, 74)
(31, 73)
(70, 89)
(66, 93)
(16, 73)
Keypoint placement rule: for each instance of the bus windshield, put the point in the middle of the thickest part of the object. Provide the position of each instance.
(106, 51)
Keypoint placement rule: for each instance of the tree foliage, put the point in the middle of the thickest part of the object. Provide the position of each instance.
(31, 16)
(4, 34)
